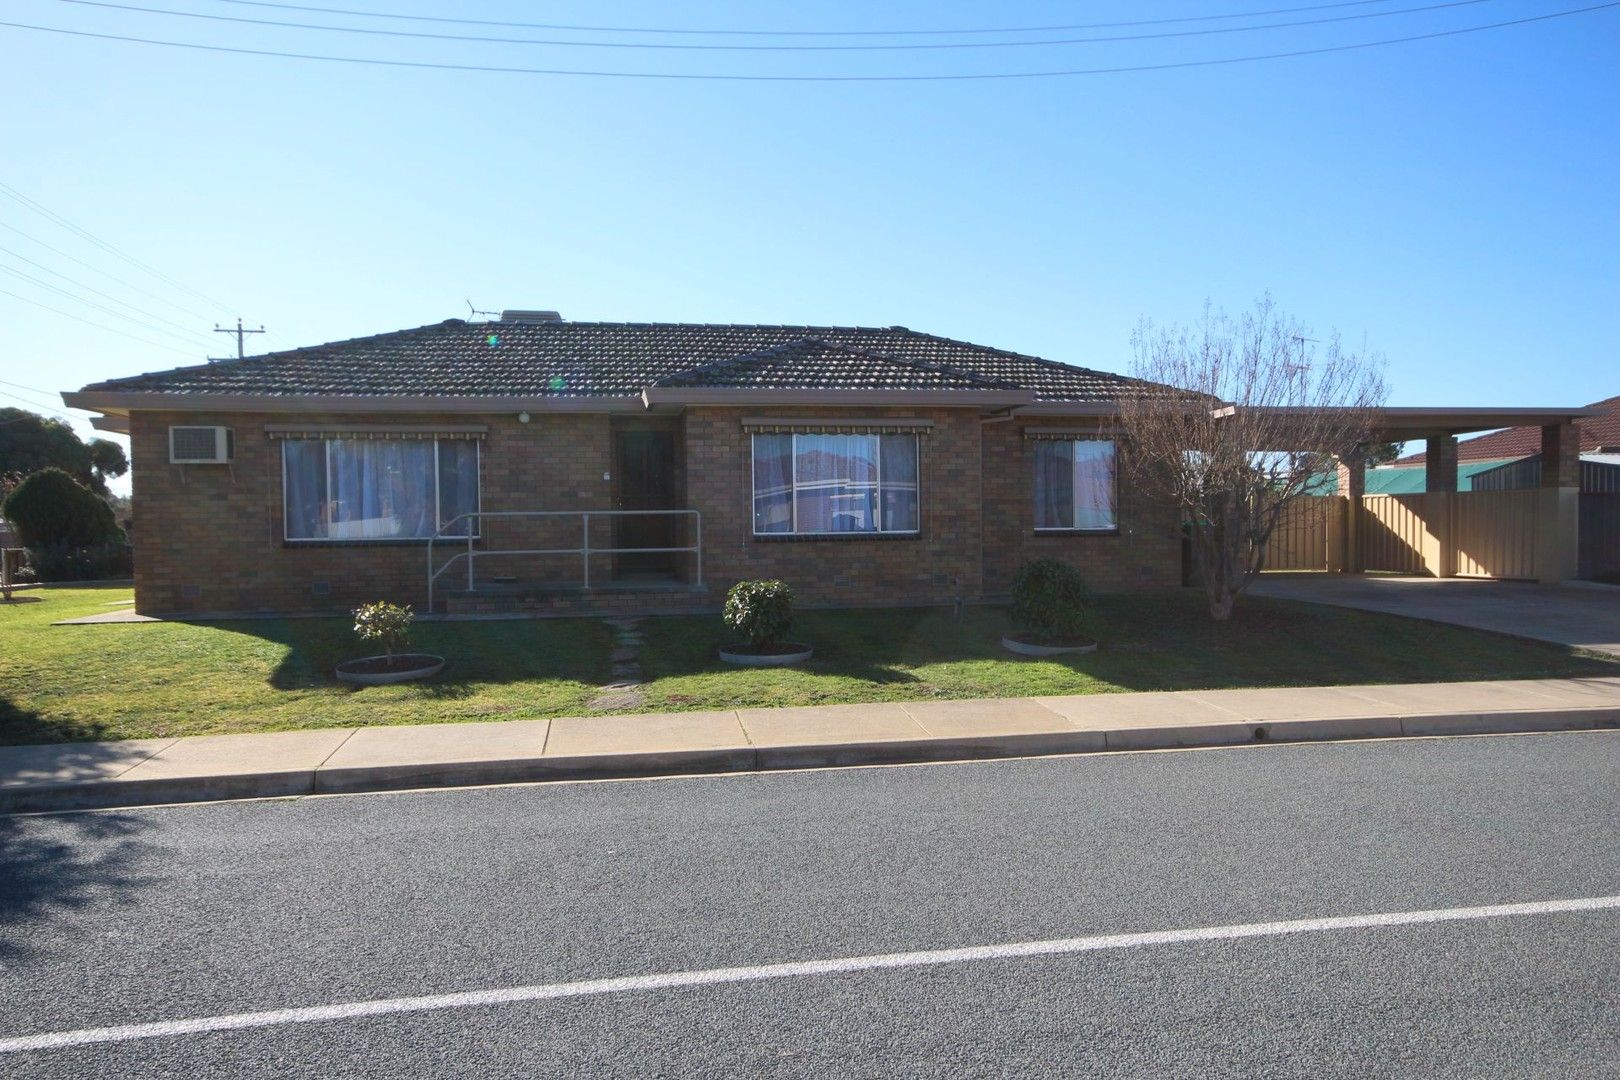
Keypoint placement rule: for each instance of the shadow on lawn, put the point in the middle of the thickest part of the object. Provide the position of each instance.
(476, 653)
(20, 726)
(1150, 641)
(61, 863)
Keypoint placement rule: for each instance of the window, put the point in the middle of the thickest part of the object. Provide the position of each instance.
(378, 489)
(809, 484)
(1074, 484)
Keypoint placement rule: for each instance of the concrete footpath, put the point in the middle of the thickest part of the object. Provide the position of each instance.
(338, 760)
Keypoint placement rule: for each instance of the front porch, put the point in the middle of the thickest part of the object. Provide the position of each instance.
(567, 562)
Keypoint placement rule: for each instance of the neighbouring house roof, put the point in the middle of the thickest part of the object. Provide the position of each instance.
(1398, 480)
(1518, 442)
(557, 359)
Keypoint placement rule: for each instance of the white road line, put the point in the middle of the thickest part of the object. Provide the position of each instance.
(55, 1040)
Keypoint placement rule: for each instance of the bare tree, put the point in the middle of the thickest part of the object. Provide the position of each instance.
(1265, 411)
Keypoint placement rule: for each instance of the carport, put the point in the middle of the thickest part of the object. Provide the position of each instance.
(1516, 535)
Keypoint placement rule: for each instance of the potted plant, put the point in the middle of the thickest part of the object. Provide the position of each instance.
(389, 626)
(1051, 609)
(762, 611)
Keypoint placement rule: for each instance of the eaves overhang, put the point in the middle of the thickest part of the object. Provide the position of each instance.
(124, 402)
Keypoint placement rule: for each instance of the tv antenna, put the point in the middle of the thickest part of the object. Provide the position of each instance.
(475, 311)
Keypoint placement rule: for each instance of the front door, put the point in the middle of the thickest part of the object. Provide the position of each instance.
(644, 479)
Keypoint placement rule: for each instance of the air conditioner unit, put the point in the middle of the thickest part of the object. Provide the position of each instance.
(201, 446)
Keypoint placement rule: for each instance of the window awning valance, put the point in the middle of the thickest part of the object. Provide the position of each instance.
(836, 425)
(376, 431)
(1068, 434)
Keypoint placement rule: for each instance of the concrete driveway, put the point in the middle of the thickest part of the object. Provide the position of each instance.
(1587, 616)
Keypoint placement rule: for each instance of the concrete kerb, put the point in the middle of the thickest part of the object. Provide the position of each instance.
(345, 779)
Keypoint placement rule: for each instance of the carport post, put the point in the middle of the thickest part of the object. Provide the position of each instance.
(1559, 508)
(1440, 487)
(1352, 486)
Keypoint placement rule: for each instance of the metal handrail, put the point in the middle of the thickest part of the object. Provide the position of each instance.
(584, 551)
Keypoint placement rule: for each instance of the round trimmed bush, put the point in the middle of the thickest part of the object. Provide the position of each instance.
(1050, 602)
(51, 509)
(762, 611)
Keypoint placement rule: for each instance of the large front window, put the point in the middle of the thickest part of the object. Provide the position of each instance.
(807, 484)
(1074, 484)
(379, 489)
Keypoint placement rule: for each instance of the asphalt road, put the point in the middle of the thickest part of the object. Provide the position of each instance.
(142, 916)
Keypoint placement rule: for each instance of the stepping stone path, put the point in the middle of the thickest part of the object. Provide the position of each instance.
(622, 692)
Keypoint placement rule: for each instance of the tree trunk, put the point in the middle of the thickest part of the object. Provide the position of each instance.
(1220, 604)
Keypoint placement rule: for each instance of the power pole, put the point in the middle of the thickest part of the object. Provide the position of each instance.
(240, 332)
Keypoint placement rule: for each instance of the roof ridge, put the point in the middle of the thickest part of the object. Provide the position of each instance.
(1023, 356)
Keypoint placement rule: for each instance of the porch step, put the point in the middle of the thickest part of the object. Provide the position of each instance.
(609, 600)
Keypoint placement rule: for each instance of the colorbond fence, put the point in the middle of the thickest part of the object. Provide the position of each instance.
(1600, 535)
(1392, 532)
(1301, 539)
(1495, 533)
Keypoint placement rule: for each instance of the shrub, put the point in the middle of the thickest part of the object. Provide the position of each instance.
(50, 508)
(762, 611)
(389, 625)
(94, 562)
(1051, 601)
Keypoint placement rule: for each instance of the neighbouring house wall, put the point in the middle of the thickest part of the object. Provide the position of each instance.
(208, 538)
(936, 566)
(1144, 553)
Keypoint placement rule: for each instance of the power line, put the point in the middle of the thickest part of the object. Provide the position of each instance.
(98, 270)
(98, 292)
(702, 77)
(36, 394)
(90, 303)
(910, 46)
(20, 386)
(794, 33)
(36, 405)
(88, 322)
(58, 219)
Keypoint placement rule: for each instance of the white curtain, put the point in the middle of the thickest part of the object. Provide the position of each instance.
(773, 483)
(835, 487)
(380, 489)
(304, 466)
(1094, 484)
(1074, 484)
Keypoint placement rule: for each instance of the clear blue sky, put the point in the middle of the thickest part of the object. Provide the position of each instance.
(1455, 200)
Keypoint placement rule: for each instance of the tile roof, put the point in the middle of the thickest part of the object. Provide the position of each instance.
(594, 359)
(1518, 442)
(818, 364)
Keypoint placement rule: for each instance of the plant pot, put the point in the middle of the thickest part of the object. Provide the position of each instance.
(779, 655)
(1027, 648)
(382, 670)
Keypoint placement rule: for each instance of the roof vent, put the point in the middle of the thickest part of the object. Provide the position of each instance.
(530, 316)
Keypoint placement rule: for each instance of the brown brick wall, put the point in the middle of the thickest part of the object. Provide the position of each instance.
(209, 538)
(1144, 554)
(937, 566)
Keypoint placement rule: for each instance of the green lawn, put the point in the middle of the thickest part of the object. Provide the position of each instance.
(1162, 641)
(62, 683)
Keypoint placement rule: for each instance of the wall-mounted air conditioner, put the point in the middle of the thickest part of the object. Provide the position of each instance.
(201, 446)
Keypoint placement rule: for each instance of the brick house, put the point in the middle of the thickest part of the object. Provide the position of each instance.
(543, 465)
